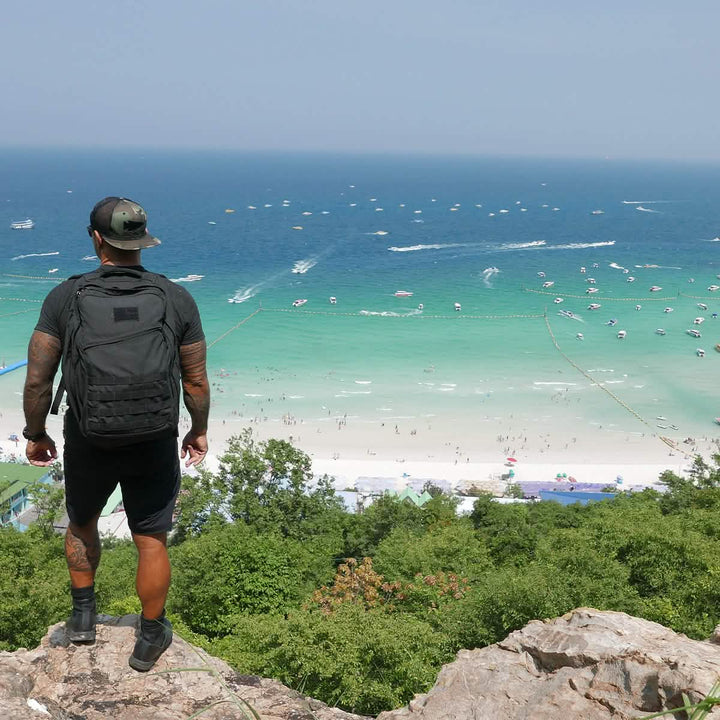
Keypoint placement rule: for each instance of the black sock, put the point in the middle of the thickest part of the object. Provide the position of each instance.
(83, 597)
(152, 630)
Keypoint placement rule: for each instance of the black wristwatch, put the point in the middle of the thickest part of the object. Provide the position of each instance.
(33, 437)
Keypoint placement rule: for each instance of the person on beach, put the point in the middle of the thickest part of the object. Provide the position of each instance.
(144, 464)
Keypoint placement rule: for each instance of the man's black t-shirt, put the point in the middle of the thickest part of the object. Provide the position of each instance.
(188, 329)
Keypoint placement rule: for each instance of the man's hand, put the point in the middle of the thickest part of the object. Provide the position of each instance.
(42, 452)
(195, 447)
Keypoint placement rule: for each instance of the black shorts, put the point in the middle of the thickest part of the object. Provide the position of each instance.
(148, 474)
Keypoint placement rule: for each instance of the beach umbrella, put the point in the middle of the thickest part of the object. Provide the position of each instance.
(511, 459)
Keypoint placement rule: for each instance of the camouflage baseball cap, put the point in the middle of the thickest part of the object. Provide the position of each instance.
(122, 223)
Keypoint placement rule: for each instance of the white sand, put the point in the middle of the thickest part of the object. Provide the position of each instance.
(458, 455)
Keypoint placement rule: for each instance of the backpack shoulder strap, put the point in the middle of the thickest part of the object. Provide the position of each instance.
(79, 281)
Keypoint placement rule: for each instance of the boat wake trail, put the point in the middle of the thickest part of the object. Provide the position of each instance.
(415, 248)
(47, 254)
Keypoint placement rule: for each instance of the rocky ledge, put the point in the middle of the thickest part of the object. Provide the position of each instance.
(62, 681)
(586, 665)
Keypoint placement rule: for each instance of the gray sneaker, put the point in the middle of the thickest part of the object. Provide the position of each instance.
(154, 638)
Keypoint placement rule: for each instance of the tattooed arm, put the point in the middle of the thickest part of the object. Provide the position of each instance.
(44, 352)
(196, 395)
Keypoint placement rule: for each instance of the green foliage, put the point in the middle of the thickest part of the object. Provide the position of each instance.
(115, 579)
(49, 502)
(235, 569)
(267, 485)
(451, 548)
(387, 513)
(34, 587)
(363, 661)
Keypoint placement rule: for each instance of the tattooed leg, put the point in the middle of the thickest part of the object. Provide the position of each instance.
(82, 552)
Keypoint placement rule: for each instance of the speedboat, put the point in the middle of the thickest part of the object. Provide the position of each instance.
(566, 313)
(402, 293)
(699, 320)
(622, 334)
(702, 306)
(333, 300)
(580, 336)
(668, 309)
(592, 281)
(655, 288)
(694, 333)
(558, 300)
(713, 288)
(660, 331)
(591, 290)
(700, 352)
(458, 307)
(594, 306)
(631, 279)
(421, 306)
(541, 274)
(583, 269)
(26, 224)
(548, 284)
(299, 302)
(612, 322)
(638, 307)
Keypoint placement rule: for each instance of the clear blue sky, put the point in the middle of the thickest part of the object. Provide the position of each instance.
(631, 78)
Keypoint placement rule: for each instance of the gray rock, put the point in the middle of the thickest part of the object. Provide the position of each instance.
(586, 665)
(61, 681)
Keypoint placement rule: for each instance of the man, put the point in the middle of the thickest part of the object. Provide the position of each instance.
(148, 470)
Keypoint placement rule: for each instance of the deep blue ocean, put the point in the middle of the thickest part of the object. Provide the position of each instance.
(264, 230)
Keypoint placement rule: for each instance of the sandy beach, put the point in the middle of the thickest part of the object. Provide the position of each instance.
(473, 452)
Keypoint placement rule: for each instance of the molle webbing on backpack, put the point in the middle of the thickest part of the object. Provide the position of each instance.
(120, 363)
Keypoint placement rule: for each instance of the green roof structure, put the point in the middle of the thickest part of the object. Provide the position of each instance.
(409, 494)
(19, 477)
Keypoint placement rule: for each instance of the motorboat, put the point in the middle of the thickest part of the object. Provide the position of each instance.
(591, 281)
(669, 310)
(713, 288)
(611, 322)
(597, 212)
(698, 320)
(638, 307)
(566, 313)
(631, 279)
(580, 336)
(26, 224)
(655, 288)
(333, 300)
(583, 269)
(591, 290)
(700, 352)
(548, 284)
(694, 333)
(702, 306)
(558, 300)
(622, 334)
(594, 306)
(421, 306)
(458, 307)
(541, 274)
(299, 302)
(402, 293)
(660, 331)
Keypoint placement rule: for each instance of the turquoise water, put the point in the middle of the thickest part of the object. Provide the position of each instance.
(433, 227)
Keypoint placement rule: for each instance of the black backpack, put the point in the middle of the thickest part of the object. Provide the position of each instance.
(120, 361)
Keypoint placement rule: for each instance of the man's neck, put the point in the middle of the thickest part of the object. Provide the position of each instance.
(132, 259)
